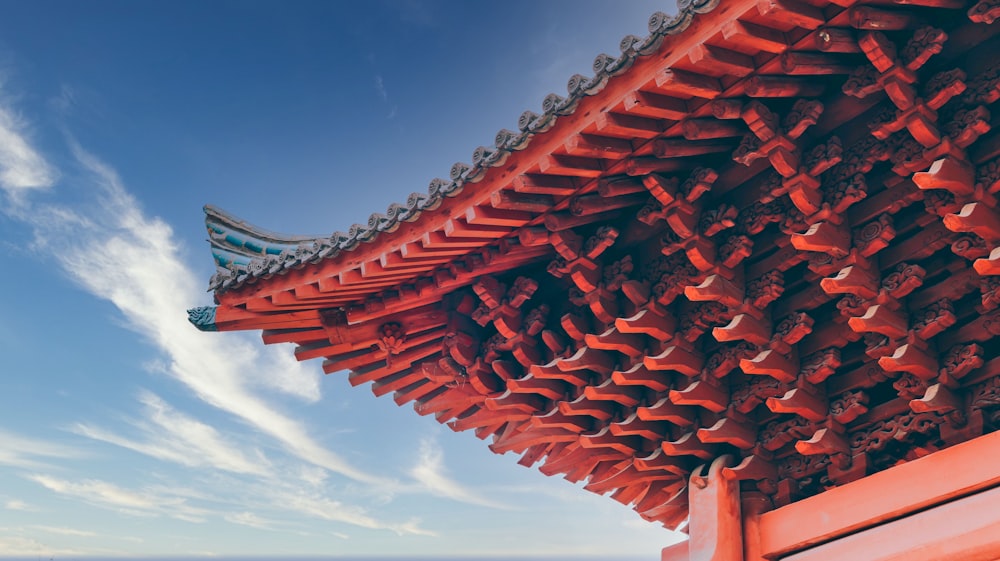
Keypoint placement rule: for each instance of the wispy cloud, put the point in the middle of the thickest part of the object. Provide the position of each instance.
(65, 531)
(250, 519)
(30, 547)
(15, 504)
(309, 503)
(172, 436)
(120, 254)
(430, 472)
(380, 88)
(77, 533)
(21, 167)
(25, 452)
(112, 249)
(145, 502)
(383, 94)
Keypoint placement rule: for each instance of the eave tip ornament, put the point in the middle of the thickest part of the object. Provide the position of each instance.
(203, 318)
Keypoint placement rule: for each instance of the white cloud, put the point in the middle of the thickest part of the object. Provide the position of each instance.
(21, 167)
(25, 547)
(313, 505)
(15, 504)
(114, 251)
(65, 531)
(172, 436)
(250, 519)
(430, 472)
(24, 452)
(130, 259)
(146, 502)
(312, 475)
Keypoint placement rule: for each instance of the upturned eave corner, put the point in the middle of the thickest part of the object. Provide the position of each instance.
(203, 318)
(240, 265)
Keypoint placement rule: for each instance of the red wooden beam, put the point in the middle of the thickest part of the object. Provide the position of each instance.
(904, 489)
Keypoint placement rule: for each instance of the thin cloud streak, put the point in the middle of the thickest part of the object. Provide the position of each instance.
(430, 472)
(172, 436)
(24, 452)
(250, 519)
(126, 501)
(287, 496)
(380, 88)
(29, 547)
(21, 167)
(75, 532)
(15, 504)
(384, 95)
(65, 531)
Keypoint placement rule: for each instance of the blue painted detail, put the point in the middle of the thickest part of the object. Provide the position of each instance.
(203, 318)
(237, 242)
(254, 245)
(224, 257)
(241, 243)
(233, 240)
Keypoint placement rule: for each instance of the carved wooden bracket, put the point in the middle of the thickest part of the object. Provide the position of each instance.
(976, 218)
(705, 392)
(825, 237)
(666, 410)
(391, 337)
(778, 358)
(860, 280)
(892, 71)
(919, 115)
(825, 441)
(652, 320)
(745, 397)
(912, 357)
(777, 434)
(849, 407)
(679, 358)
(985, 11)
(736, 432)
(959, 361)
(670, 196)
(882, 319)
(724, 361)
(640, 375)
(689, 445)
(744, 327)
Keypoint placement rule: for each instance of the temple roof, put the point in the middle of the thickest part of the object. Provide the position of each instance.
(237, 253)
(767, 232)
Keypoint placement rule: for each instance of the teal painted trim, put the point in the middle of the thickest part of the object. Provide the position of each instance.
(224, 257)
(243, 244)
(203, 318)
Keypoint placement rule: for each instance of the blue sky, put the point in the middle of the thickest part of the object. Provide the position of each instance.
(124, 431)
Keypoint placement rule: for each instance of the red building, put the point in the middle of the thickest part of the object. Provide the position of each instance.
(746, 275)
